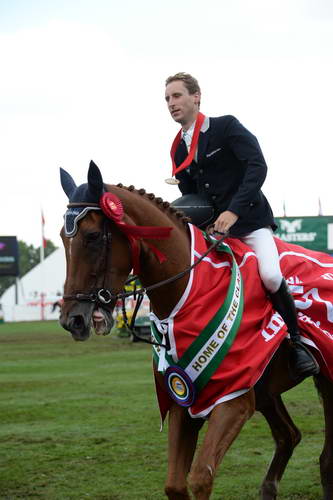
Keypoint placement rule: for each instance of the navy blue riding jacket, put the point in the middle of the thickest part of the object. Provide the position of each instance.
(229, 172)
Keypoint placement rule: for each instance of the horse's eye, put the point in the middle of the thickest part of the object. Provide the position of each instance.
(91, 237)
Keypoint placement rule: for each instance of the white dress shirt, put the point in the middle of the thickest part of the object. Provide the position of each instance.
(187, 136)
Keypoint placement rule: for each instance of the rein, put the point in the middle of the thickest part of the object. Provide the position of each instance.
(142, 291)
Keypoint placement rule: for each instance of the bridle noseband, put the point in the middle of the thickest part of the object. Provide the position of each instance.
(102, 296)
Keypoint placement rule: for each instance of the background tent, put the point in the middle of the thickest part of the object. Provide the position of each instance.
(37, 291)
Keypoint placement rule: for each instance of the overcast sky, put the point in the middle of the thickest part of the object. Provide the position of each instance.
(84, 80)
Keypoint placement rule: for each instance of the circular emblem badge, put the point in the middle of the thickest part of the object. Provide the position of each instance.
(180, 386)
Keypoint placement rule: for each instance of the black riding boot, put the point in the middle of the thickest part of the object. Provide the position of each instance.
(302, 362)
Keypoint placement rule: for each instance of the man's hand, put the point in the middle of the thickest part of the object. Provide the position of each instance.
(224, 221)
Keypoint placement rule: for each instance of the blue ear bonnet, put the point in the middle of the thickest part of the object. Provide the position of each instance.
(72, 217)
(81, 194)
(82, 198)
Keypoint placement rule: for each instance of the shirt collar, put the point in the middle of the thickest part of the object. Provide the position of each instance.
(204, 128)
(189, 132)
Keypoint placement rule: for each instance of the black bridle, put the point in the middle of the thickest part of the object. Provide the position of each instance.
(104, 296)
(99, 295)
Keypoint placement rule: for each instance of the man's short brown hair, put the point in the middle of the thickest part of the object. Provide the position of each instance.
(189, 81)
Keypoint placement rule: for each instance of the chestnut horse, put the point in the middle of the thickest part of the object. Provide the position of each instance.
(99, 260)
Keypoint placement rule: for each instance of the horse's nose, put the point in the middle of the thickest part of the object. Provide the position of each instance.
(78, 327)
(76, 318)
(77, 323)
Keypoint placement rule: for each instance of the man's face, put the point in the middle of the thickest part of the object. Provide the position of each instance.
(182, 105)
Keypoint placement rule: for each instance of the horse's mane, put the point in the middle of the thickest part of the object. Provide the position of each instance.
(164, 206)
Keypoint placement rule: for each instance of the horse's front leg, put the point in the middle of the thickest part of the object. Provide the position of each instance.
(225, 422)
(183, 436)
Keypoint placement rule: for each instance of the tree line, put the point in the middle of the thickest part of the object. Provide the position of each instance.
(29, 257)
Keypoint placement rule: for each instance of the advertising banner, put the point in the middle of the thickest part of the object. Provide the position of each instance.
(9, 256)
(315, 233)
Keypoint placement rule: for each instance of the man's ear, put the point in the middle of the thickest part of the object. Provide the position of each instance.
(197, 97)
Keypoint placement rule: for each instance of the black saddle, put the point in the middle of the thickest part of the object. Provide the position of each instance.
(198, 208)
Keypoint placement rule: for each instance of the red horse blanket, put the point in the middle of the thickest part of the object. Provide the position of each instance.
(310, 278)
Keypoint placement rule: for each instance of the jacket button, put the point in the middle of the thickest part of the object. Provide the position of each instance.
(200, 171)
(251, 204)
(206, 185)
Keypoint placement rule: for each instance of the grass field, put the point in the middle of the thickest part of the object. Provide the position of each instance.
(80, 420)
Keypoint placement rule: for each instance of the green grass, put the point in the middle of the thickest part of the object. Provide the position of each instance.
(80, 420)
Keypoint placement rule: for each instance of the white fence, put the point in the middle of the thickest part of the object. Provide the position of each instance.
(34, 310)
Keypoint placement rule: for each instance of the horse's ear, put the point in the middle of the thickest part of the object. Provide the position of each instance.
(95, 180)
(67, 182)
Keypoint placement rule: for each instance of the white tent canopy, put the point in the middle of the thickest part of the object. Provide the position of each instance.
(37, 291)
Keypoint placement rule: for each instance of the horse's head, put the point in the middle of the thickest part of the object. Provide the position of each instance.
(97, 256)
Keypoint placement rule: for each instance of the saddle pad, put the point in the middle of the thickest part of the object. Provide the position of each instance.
(310, 277)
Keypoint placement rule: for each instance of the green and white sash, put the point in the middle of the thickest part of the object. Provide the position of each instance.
(202, 358)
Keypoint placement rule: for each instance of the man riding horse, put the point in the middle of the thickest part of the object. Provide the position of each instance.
(221, 160)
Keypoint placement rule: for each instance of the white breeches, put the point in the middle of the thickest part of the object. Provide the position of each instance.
(262, 243)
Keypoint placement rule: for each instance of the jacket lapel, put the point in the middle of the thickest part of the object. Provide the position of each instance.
(181, 153)
(203, 139)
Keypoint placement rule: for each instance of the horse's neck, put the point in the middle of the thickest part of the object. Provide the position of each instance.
(177, 252)
(176, 249)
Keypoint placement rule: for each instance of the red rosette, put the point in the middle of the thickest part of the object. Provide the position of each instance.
(112, 206)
